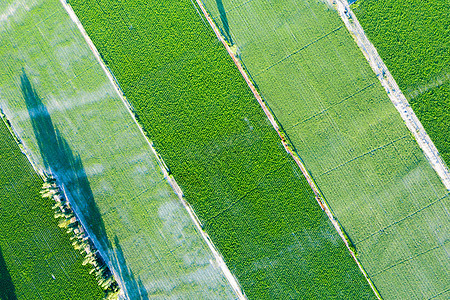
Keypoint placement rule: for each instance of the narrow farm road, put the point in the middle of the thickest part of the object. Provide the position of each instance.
(395, 94)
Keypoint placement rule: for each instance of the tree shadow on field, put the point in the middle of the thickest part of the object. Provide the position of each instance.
(224, 19)
(60, 160)
(135, 289)
(7, 290)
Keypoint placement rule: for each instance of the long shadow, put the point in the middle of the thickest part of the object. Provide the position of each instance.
(61, 161)
(224, 19)
(135, 289)
(7, 290)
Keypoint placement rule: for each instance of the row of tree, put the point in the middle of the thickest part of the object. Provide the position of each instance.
(80, 239)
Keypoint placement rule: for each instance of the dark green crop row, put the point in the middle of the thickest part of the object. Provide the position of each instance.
(37, 260)
(413, 39)
(221, 149)
(433, 109)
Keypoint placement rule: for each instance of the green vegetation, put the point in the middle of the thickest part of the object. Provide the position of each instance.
(352, 140)
(221, 149)
(80, 240)
(413, 39)
(72, 122)
(433, 109)
(37, 260)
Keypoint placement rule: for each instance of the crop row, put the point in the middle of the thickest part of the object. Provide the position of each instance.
(221, 149)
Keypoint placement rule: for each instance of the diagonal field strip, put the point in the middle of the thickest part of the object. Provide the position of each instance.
(117, 184)
(231, 279)
(29, 236)
(300, 164)
(381, 188)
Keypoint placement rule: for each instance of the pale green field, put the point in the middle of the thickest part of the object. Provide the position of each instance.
(80, 129)
(352, 140)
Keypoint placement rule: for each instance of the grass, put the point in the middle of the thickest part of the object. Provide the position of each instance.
(37, 260)
(72, 122)
(248, 193)
(352, 140)
(413, 39)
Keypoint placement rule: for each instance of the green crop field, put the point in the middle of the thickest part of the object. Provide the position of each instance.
(433, 109)
(247, 191)
(72, 122)
(37, 260)
(413, 39)
(368, 166)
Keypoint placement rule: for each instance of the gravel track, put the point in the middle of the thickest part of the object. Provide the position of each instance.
(395, 94)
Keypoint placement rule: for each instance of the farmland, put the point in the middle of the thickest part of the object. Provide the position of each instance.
(413, 39)
(37, 260)
(342, 124)
(248, 193)
(433, 109)
(73, 123)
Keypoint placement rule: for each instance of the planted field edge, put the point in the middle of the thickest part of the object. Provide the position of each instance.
(82, 241)
(231, 278)
(22, 146)
(70, 221)
(388, 82)
(288, 145)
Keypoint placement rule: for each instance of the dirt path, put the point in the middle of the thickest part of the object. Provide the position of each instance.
(286, 146)
(395, 94)
(219, 261)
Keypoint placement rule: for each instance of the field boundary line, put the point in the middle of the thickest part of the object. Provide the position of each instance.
(402, 219)
(408, 259)
(299, 50)
(331, 106)
(393, 91)
(287, 147)
(220, 262)
(438, 294)
(363, 154)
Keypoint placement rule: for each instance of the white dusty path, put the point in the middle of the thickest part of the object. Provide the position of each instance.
(286, 146)
(395, 94)
(219, 259)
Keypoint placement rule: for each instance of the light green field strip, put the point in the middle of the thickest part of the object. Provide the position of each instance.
(369, 168)
(83, 132)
